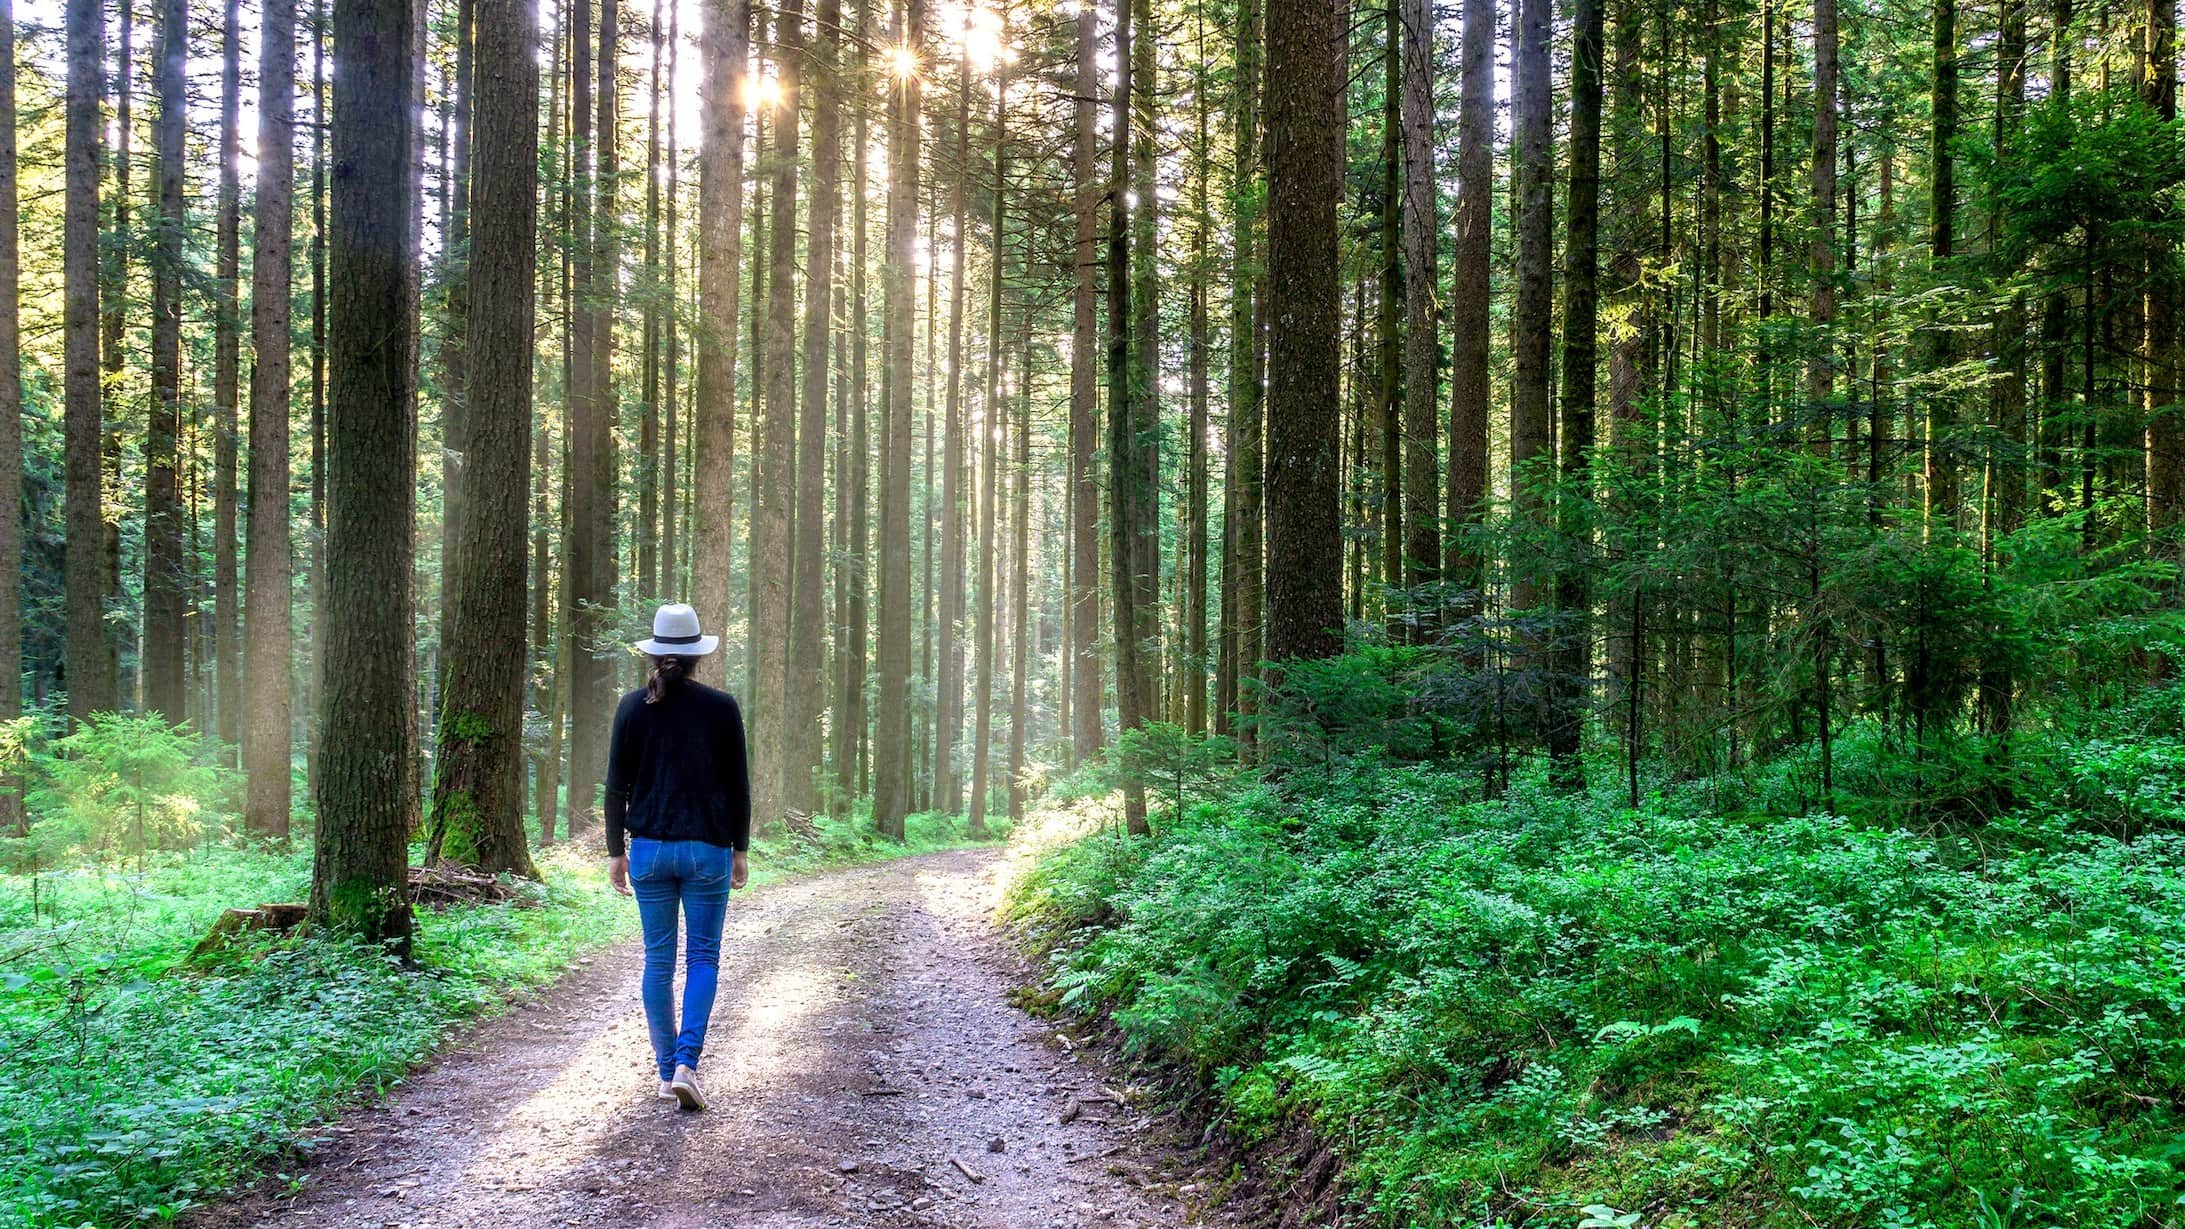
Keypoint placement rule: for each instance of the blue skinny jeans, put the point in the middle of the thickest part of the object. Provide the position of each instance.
(694, 875)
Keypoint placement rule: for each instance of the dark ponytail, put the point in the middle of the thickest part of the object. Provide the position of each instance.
(668, 673)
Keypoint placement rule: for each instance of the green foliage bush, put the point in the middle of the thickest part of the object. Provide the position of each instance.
(132, 1086)
(1548, 1008)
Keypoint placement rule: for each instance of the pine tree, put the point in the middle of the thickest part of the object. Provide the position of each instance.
(269, 565)
(90, 667)
(165, 584)
(1305, 182)
(478, 787)
(370, 740)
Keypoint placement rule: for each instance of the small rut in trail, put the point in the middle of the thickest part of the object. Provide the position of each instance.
(862, 1057)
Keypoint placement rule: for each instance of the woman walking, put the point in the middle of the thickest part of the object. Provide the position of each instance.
(677, 783)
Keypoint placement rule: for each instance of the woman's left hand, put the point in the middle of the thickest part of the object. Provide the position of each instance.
(618, 874)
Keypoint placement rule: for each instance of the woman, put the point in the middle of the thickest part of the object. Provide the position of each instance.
(677, 784)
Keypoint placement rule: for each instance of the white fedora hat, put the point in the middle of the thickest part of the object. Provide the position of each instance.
(675, 634)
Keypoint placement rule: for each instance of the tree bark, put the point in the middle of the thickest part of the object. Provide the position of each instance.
(165, 582)
(854, 745)
(1532, 174)
(949, 690)
(359, 864)
(456, 131)
(1124, 469)
(776, 454)
(892, 750)
(113, 309)
(1422, 332)
(478, 787)
(13, 818)
(990, 432)
(807, 690)
(1084, 700)
(89, 671)
(1469, 348)
(1020, 715)
(720, 237)
(268, 598)
(2165, 426)
(1942, 478)
(1388, 529)
(227, 342)
(1305, 182)
(1573, 662)
(1146, 367)
(1191, 677)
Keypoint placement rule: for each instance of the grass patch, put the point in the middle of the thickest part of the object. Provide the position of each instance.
(133, 1086)
(1546, 1009)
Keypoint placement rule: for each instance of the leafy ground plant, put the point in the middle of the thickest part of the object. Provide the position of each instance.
(1546, 1009)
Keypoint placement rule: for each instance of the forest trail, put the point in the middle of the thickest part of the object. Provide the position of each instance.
(862, 1047)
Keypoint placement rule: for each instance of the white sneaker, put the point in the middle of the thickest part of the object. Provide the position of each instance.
(685, 1089)
(666, 1093)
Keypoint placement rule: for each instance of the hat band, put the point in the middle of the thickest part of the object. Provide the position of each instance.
(691, 639)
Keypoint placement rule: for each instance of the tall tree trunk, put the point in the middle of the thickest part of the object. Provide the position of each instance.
(1191, 677)
(720, 234)
(645, 580)
(13, 818)
(269, 564)
(1084, 700)
(455, 327)
(1244, 562)
(1305, 181)
(1469, 348)
(1388, 341)
(1532, 421)
(1571, 673)
(1124, 469)
(606, 403)
(891, 757)
(227, 340)
(90, 666)
(2008, 468)
(165, 582)
(315, 675)
(948, 697)
(112, 306)
(1821, 364)
(1942, 479)
(359, 863)
(807, 689)
(1146, 367)
(849, 775)
(670, 576)
(1020, 716)
(2165, 425)
(990, 436)
(1422, 332)
(477, 817)
(776, 452)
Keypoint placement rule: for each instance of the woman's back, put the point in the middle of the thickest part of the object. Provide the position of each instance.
(680, 763)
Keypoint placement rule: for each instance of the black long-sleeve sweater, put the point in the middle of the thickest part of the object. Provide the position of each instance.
(676, 770)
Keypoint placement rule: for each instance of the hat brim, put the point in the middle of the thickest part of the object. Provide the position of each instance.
(704, 647)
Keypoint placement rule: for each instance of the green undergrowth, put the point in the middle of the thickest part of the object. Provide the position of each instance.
(134, 1084)
(1552, 1010)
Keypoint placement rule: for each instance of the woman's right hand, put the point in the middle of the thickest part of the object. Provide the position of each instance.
(739, 869)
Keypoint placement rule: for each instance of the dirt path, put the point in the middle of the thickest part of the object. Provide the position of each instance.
(862, 1047)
